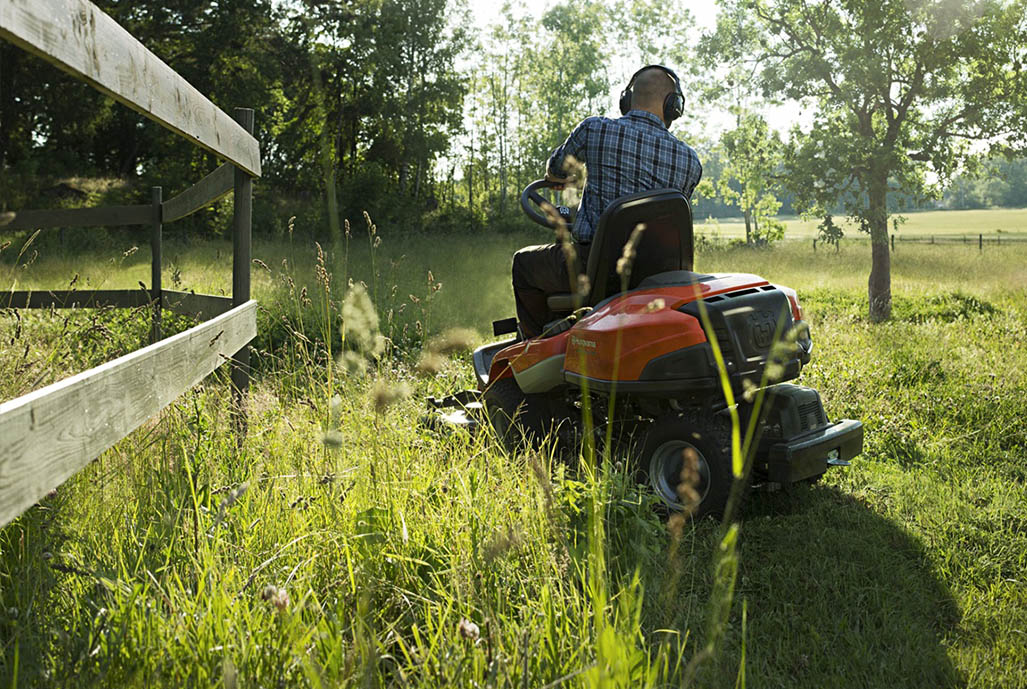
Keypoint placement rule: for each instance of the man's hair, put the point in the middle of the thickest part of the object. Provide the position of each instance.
(651, 87)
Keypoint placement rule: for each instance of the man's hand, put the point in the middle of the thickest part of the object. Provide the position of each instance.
(560, 181)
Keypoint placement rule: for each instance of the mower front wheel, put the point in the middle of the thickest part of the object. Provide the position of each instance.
(687, 463)
(519, 419)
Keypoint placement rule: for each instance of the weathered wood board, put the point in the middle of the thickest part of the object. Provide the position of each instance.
(50, 434)
(73, 299)
(200, 306)
(110, 216)
(79, 38)
(200, 195)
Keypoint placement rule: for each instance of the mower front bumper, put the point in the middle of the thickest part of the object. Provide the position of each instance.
(810, 454)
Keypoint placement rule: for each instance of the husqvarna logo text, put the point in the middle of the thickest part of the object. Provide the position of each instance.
(587, 344)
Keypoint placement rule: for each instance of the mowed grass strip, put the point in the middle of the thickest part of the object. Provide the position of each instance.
(948, 225)
(180, 559)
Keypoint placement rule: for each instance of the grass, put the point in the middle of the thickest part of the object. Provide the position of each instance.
(943, 224)
(179, 558)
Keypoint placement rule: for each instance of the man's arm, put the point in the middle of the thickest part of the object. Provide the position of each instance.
(573, 146)
(693, 174)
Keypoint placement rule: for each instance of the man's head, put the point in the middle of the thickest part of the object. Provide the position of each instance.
(654, 90)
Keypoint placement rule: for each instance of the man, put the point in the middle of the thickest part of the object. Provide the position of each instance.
(627, 155)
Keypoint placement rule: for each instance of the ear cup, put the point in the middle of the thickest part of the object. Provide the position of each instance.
(625, 99)
(673, 106)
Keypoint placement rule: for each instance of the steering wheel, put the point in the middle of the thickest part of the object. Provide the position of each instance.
(532, 202)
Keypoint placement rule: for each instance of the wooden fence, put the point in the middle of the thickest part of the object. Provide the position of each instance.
(50, 434)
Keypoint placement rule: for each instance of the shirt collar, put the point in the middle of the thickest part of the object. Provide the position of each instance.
(646, 115)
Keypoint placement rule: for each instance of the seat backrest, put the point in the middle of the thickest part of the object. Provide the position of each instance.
(665, 244)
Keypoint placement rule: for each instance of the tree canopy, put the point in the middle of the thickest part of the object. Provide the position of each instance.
(898, 88)
(404, 109)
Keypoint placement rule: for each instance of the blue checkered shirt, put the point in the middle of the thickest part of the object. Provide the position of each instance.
(624, 156)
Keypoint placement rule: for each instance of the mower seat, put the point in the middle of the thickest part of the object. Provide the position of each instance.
(665, 245)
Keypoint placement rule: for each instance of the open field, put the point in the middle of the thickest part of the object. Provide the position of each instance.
(950, 224)
(179, 559)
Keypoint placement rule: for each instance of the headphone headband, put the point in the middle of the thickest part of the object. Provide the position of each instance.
(673, 104)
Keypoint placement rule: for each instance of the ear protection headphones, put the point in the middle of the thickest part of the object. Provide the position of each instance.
(673, 104)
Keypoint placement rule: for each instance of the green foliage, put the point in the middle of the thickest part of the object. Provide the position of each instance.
(752, 156)
(997, 181)
(897, 86)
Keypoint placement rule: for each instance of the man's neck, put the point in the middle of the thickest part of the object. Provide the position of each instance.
(653, 110)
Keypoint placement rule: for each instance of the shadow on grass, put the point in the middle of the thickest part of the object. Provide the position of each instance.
(837, 593)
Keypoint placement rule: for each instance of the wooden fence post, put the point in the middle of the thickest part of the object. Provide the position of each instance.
(241, 250)
(814, 246)
(156, 289)
(893, 244)
(980, 242)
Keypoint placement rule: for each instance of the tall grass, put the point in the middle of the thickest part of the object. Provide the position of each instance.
(342, 544)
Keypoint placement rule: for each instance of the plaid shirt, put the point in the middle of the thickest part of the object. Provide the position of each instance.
(624, 156)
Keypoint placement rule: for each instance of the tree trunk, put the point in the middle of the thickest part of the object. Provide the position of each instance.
(7, 67)
(748, 227)
(879, 285)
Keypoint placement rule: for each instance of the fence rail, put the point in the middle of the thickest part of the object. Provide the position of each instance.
(78, 37)
(110, 216)
(48, 435)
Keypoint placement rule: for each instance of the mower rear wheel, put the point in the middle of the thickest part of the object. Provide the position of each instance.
(687, 463)
(519, 419)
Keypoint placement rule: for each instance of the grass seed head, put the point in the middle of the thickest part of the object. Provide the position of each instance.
(453, 341)
(360, 322)
(332, 439)
(384, 394)
(431, 363)
(627, 258)
(688, 479)
(749, 390)
(657, 304)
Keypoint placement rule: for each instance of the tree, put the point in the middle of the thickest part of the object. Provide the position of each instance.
(753, 156)
(899, 88)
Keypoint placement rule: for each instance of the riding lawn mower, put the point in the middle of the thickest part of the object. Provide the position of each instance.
(650, 347)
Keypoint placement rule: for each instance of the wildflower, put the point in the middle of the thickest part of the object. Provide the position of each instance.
(468, 630)
(278, 597)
